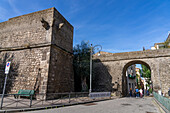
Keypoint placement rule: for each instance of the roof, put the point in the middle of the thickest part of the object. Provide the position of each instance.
(162, 43)
(168, 38)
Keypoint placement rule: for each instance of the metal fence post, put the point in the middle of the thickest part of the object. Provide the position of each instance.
(69, 98)
(2, 98)
(30, 100)
(76, 97)
(61, 98)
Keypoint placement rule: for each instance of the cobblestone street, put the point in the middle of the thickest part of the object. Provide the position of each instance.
(122, 105)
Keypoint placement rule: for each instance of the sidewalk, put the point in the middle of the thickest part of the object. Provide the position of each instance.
(17, 105)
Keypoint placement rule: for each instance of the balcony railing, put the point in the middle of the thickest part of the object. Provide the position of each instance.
(131, 76)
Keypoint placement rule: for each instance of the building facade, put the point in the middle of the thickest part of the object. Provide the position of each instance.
(162, 45)
(131, 77)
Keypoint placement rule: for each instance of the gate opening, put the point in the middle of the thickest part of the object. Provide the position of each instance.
(136, 79)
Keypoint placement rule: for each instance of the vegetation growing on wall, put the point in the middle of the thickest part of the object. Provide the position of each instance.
(167, 44)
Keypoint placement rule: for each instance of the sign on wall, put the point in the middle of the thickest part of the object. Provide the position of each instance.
(7, 67)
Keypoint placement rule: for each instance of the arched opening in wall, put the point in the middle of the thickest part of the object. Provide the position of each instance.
(136, 79)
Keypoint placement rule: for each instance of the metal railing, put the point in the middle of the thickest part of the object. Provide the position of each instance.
(19, 101)
(163, 100)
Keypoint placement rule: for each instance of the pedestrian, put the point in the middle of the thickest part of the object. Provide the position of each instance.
(141, 93)
(147, 92)
(134, 92)
(159, 92)
(137, 92)
(130, 92)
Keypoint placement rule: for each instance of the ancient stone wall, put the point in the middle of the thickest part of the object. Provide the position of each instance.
(61, 77)
(26, 30)
(25, 69)
(33, 42)
(62, 32)
(111, 69)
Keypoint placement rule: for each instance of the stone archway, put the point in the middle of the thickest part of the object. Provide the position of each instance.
(124, 80)
(115, 65)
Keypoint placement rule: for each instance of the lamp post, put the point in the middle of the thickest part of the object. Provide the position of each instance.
(99, 48)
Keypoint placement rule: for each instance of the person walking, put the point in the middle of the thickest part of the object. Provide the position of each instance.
(141, 93)
(147, 92)
(137, 92)
(130, 92)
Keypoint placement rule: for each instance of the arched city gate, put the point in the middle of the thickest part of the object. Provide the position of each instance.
(109, 69)
(124, 78)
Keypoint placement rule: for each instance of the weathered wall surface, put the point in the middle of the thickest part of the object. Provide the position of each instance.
(26, 30)
(33, 42)
(61, 77)
(61, 61)
(19, 34)
(62, 37)
(115, 65)
(26, 67)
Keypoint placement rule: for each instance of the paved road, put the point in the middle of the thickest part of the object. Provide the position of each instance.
(122, 105)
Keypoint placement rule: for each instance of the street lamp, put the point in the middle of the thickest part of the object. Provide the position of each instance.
(99, 48)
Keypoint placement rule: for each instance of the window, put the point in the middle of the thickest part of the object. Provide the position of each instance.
(129, 85)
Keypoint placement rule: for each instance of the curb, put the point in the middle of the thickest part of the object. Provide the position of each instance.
(49, 107)
(161, 107)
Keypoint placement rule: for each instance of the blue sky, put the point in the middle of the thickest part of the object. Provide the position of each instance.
(138, 66)
(117, 25)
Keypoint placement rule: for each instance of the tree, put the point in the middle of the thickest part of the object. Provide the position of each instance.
(81, 65)
(146, 72)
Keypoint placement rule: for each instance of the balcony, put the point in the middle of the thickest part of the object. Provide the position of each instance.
(131, 76)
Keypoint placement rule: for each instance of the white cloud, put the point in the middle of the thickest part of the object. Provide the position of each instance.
(15, 9)
(3, 14)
